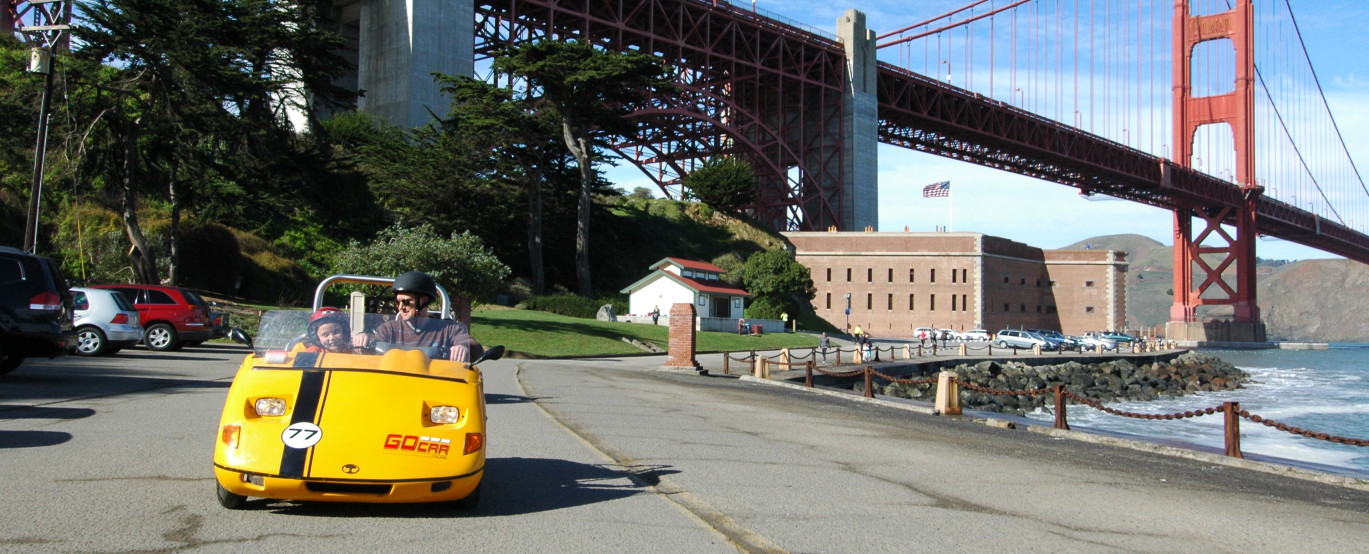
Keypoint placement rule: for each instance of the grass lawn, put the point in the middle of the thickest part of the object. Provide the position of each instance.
(543, 334)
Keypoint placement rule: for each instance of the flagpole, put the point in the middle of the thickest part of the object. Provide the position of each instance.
(950, 209)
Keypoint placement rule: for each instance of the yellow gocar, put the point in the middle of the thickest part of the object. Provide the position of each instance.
(397, 426)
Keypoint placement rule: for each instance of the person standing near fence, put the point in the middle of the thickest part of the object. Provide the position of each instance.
(823, 344)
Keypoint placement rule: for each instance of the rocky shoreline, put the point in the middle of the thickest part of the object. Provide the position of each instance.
(1107, 381)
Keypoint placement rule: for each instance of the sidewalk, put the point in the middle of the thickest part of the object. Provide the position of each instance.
(802, 470)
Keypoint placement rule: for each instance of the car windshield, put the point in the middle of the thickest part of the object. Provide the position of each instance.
(284, 329)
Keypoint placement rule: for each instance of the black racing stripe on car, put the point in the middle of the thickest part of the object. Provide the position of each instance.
(292, 461)
(305, 360)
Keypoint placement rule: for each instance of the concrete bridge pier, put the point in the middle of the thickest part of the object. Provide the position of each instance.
(399, 45)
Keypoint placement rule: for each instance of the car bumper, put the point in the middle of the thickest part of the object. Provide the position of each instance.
(34, 345)
(336, 490)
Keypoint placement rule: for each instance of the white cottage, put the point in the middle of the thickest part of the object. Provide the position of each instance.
(676, 281)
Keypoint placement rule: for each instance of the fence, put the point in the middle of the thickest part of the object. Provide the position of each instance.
(948, 386)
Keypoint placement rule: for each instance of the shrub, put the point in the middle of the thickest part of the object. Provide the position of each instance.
(573, 306)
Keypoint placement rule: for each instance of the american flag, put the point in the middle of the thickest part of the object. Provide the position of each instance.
(937, 189)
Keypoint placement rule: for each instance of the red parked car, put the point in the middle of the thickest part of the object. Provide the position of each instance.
(172, 317)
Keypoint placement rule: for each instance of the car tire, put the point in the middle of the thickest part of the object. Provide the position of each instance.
(1002, 344)
(91, 341)
(229, 499)
(161, 337)
(470, 501)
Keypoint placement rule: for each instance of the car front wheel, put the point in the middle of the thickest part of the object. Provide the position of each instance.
(161, 337)
(1002, 344)
(228, 499)
(90, 341)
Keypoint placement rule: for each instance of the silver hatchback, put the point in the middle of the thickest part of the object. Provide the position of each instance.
(105, 321)
(1017, 338)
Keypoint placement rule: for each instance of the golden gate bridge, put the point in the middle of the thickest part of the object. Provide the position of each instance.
(1207, 108)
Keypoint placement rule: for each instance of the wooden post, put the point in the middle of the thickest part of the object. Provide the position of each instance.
(808, 373)
(1060, 422)
(947, 394)
(1232, 414)
(869, 375)
(963, 349)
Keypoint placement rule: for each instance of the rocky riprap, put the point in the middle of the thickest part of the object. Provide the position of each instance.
(1109, 381)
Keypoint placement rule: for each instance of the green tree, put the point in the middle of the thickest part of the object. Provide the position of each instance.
(589, 91)
(778, 285)
(520, 145)
(726, 184)
(461, 262)
(194, 106)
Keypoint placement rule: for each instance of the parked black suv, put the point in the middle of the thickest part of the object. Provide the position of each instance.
(35, 308)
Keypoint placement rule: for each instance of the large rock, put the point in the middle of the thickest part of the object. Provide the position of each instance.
(1110, 381)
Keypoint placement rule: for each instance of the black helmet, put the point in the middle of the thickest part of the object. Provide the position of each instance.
(415, 282)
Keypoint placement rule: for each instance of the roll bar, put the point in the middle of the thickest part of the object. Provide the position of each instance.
(373, 280)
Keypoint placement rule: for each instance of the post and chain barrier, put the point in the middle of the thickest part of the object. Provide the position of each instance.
(949, 384)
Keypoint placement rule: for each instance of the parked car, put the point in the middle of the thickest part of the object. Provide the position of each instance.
(1061, 340)
(105, 321)
(172, 317)
(1121, 338)
(1091, 341)
(35, 308)
(980, 335)
(1021, 339)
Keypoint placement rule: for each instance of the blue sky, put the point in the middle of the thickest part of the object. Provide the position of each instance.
(1048, 215)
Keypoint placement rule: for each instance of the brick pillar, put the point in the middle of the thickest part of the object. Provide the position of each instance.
(682, 339)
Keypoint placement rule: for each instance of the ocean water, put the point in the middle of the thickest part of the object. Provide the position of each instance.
(1318, 390)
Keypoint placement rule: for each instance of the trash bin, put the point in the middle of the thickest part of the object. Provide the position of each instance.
(756, 329)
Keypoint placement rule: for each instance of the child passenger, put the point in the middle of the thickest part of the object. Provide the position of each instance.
(329, 331)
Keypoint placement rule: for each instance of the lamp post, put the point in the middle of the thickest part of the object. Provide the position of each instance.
(49, 26)
(848, 312)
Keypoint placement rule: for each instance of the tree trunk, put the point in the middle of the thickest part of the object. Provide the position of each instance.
(579, 147)
(539, 276)
(142, 258)
(175, 231)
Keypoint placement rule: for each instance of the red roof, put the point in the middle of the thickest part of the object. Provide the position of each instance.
(690, 264)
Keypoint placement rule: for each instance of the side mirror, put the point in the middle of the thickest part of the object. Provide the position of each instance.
(491, 353)
(239, 336)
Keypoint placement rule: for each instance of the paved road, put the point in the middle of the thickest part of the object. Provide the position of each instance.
(112, 455)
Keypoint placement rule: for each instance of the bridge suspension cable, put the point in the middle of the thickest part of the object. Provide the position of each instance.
(1105, 67)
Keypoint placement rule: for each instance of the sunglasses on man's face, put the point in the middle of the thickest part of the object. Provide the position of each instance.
(410, 302)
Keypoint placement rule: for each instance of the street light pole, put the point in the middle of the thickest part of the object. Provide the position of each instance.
(49, 26)
(41, 63)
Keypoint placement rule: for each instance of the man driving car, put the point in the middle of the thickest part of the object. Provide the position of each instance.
(414, 291)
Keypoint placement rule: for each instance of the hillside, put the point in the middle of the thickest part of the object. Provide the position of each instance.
(1304, 300)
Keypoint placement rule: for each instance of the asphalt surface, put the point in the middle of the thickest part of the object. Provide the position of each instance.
(616, 455)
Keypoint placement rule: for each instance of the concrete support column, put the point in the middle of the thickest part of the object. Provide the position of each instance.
(860, 126)
(402, 43)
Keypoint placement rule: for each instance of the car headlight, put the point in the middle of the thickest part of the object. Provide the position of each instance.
(269, 406)
(444, 414)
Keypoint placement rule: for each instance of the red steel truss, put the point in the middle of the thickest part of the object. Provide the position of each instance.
(752, 88)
